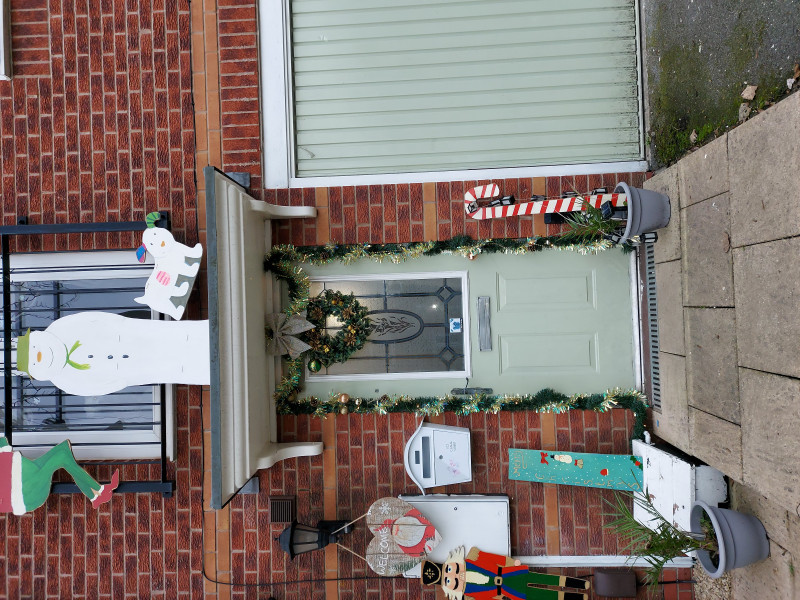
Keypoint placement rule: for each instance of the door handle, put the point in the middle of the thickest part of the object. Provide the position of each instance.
(484, 325)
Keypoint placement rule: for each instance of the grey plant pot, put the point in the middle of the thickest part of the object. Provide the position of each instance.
(647, 210)
(741, 538)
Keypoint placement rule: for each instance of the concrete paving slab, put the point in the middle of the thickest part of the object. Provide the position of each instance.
(712, 377)
(764, 154)
(774, 517)
(672, 423)
(771, 578)
(668, 246)
(717, 442)
(670, 307)
(767, 290)
(707, 261)
(704, 173)
(770, 422)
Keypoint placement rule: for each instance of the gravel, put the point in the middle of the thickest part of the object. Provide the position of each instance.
(711, 589)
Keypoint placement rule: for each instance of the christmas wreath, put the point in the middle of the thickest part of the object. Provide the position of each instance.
(327, 349)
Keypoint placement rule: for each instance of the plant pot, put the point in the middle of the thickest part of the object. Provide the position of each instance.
(647, 210)
(741, 538)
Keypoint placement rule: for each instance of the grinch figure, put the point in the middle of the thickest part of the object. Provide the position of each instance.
(96, 353)
(483, 576)
(25, 484)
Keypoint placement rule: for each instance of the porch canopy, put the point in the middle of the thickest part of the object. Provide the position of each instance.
(244, 435)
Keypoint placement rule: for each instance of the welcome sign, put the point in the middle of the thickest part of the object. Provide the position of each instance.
(403, 537)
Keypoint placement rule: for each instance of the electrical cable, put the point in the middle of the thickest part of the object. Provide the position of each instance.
(275, 583)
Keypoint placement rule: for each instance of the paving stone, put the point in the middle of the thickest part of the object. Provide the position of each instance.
(771, 578)
(672, 423)
(707, 258)
(775, 518)
(668, 246)
(704, 173)
(770, 422)
(766, 207)
(717, 442)
(767, 290)
(712, 377)
(670, 307)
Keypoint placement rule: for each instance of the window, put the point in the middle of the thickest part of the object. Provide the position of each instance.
(45, 287)
(420, 326)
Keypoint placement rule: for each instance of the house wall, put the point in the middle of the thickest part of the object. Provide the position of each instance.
(362, 460)
(97, 125)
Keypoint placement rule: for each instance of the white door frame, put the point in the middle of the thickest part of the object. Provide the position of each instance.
(277, 122)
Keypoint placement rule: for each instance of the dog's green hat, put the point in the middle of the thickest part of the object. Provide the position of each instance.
(23, 348)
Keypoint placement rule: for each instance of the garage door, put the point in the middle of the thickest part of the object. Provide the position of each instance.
(414, 85)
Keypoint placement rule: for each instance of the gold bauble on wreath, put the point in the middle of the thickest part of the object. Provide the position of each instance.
(344, 398)
(357, 401)
(343, 410)
(314, 365)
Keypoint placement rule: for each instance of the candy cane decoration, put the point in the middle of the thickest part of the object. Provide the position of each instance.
(537, 207)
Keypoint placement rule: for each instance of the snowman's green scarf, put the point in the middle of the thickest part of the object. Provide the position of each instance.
(72, 363)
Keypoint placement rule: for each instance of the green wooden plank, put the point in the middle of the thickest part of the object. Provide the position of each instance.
(609, 471)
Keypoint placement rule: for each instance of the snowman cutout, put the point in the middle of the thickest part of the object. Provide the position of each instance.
(163, 293)
(97, 353)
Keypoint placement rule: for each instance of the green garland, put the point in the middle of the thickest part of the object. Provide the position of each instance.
(356, 327)
(280, 259)
(545, 401)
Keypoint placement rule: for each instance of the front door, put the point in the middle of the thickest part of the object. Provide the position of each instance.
(557, 319)
(551, 319)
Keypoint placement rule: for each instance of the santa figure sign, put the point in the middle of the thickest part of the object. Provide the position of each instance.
(403, 536)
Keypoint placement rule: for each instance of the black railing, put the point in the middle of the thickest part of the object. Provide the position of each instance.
(52, 416)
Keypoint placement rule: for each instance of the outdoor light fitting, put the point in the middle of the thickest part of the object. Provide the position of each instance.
(299, 539)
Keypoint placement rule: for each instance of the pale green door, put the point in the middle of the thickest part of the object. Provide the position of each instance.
(562, 320)
(557, 319)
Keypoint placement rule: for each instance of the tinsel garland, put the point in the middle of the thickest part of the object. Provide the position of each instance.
(279, 258)
(544, 401)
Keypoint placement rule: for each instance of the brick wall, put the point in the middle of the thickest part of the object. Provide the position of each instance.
(367, 453)
(97, 122)
(97, 125)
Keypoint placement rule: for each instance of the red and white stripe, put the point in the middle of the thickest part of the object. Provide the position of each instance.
(163, 277)
(539, 207)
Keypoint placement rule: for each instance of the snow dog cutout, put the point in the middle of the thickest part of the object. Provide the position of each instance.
(168, 287)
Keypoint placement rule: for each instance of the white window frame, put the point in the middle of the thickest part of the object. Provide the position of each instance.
(277, 123)
(467, 372)
(5, 40)
(122, 445)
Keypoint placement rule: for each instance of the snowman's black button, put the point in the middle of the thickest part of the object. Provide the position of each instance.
(124, 356)
(110, 356)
